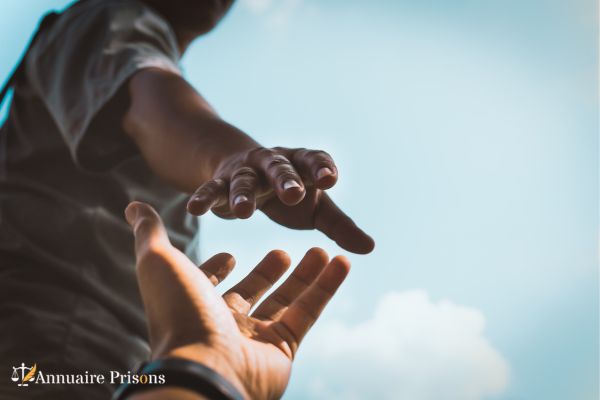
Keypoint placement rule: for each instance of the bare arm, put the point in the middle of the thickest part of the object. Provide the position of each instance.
(177, 131)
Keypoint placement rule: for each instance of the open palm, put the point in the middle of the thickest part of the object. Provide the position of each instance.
(187, 318)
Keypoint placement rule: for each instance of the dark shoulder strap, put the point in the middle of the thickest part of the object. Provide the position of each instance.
(45, 23)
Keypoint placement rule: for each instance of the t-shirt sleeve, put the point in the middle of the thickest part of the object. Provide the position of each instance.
(79, 66)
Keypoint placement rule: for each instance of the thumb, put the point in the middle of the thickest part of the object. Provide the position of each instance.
(338, 226)
(180, 302)
(148, 229)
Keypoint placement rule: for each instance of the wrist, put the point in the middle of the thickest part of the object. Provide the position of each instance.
(187, 378)
(229, 144)
(213, 360)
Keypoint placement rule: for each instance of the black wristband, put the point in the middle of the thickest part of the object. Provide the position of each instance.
(182, 373)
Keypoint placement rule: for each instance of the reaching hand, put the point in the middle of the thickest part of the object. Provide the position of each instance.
(288, 185)
(187, 318)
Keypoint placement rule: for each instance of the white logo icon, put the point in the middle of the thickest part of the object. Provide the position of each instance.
(25, 376)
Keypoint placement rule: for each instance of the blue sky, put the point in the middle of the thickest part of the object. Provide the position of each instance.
(466, 135)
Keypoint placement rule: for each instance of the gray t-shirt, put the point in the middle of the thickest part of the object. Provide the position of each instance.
(67, 271)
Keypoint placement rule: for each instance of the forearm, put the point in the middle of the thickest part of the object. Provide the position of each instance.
(178, 133)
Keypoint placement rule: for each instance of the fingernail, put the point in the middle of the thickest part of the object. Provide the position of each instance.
(290, 184)
(239, 199)
(323, 172)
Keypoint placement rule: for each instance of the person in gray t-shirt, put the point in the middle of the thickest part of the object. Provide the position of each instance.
(101, 116)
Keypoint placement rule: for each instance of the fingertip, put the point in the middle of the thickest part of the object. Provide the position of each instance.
(218, 267)
(147, 226)
(367, 245)
(334, 274)
(197, 206)
(325, 178)
(341, 265)
(359, 243)
(292, 195)
(318, 254)
(371, 245)
(224, 258)
(136, 210)
(131, 212)
(280, 257)
(244, 209)
(312, 264)
(326, 183)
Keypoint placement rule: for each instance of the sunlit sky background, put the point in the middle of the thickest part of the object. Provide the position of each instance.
(466, 134)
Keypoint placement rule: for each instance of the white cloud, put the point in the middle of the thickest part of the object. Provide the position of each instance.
(412, 348)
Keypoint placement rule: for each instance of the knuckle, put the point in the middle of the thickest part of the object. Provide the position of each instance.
(259, 153)
(217, 184)
(320, 155)
(244, 173)
(307, 308)
(280, 299)
(286, 175)
(210, 188)
(300, 154)
(277, 162)
(204, 191)
(301, 150)
(245, 189)
(307, 156)
(286, 151)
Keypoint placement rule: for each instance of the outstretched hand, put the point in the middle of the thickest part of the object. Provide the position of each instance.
(188, 319)
(288, 185)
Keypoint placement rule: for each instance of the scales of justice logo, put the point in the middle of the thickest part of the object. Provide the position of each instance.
(24, 377)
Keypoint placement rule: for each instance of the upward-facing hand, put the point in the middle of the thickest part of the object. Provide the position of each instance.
(188, 319)
(288, 185)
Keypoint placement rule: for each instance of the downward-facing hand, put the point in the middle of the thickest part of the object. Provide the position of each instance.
(288, 185)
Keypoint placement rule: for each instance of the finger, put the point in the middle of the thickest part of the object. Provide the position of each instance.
(332, 221)
(211, 194)
(302, 313)
(148, 229)
(218, 267)
(281, 175)
(302, 277)
(317, 166)
(249, 290)
(242, 200)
